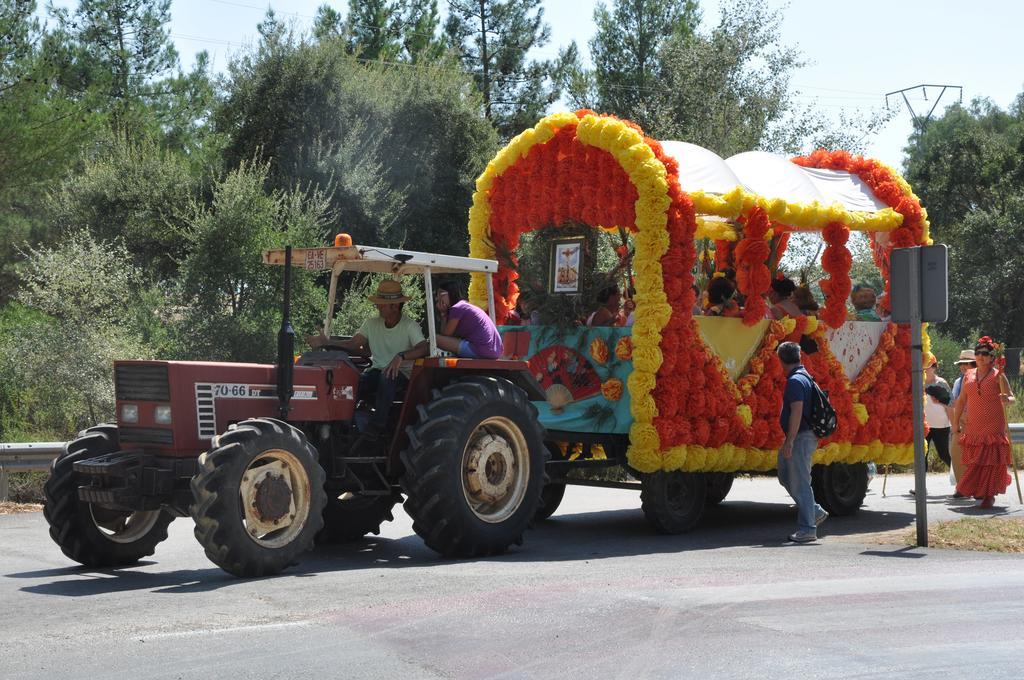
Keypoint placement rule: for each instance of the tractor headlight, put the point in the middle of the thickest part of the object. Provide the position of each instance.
(162, 414)
(129, 413)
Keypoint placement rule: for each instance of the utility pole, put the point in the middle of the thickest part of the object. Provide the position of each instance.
(920, 122)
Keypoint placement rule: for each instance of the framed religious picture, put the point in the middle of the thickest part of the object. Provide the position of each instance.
(566, 264)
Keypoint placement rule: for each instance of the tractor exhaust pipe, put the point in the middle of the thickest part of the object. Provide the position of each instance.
(286, 343)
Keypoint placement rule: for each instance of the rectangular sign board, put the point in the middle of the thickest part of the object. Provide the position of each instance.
(932, 286)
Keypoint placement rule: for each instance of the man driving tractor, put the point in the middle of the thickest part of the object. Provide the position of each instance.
(391, 338)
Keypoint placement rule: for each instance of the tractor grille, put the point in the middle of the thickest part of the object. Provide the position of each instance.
(142, 382)
(145, 435)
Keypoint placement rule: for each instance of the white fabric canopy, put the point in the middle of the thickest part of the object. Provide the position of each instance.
(700, 168)
(770, 176)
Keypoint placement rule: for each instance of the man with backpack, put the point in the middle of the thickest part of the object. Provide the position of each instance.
(794, 464)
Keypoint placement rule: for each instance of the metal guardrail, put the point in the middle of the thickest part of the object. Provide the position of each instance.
(33, 457)
(36, 457)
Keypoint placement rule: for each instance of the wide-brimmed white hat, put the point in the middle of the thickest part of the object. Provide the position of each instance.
(966, 357)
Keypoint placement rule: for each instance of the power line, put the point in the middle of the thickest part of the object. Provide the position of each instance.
(196, 38)
(231, 3)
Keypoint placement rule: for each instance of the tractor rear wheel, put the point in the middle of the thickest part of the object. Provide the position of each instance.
(349, 517)
(258, 498)
(840, 487)
(673, 502)
(474, 467)
(90, 534)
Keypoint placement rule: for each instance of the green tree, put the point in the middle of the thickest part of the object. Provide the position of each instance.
(40, 124)
(230, 300)
(79, 299)
(43, 127)
(396, 148)
(968, 169)
(626, 51)
(374, 28)
(493, 39)
(127, 48)
(136, 192)
(389, 30)
(328, 23)
(730, 90)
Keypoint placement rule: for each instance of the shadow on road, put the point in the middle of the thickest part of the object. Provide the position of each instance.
(564, 537)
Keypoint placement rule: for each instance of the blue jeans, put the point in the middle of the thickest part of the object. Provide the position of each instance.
(795, 477)
(374, 381)
(466, 350)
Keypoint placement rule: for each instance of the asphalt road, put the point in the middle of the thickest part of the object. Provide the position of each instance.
(592, 593)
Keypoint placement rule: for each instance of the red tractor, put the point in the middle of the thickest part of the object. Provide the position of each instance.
(266, 459)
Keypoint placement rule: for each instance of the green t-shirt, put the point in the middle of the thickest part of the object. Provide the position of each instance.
(386, 342)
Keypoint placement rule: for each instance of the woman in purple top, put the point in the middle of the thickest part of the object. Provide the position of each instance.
(467, 330)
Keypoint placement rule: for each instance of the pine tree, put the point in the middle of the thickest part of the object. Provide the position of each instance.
(388, 30)
(43, 125)
(625, 51)
(493, 39)
(127, 46)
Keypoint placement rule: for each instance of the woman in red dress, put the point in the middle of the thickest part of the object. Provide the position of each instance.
(983, 442)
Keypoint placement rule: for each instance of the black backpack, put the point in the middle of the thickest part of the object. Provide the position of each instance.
(822, 417)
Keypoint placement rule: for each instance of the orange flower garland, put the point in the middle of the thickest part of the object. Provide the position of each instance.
(889, 188)
(752, 275)
(836, 261)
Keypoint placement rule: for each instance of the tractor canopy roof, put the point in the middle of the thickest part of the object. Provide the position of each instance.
(380, 260)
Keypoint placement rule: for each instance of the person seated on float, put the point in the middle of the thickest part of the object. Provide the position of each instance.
(730, 274)
(608, 314)
(391, 338)
(467, 331)
(698, 300)
(863, 299)
(629, 307)
(781, 297)
(526, 309)
(882, 308)
(804, 298)
(721, 297)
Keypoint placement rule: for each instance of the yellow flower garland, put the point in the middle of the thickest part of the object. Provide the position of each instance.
(647, 174)
(800, 215)
(715, 230)
(480, 243)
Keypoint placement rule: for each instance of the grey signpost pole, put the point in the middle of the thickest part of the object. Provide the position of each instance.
(917, 392)
(920, 292)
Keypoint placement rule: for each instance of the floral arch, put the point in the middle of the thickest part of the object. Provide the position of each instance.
(688, 413)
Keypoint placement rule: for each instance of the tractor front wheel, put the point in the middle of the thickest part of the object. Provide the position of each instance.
(90, 534)
(474, 467)
(258, 498)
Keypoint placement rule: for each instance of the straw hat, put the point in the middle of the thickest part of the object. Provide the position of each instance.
(966, 357)
(389, 292)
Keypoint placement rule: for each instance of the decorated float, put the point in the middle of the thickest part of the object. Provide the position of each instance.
(678, 395)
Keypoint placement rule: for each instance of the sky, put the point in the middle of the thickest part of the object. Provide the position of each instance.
(858, 50)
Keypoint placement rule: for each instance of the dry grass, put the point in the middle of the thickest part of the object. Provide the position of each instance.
(991, 534)
(9, 508)
(27, 487)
